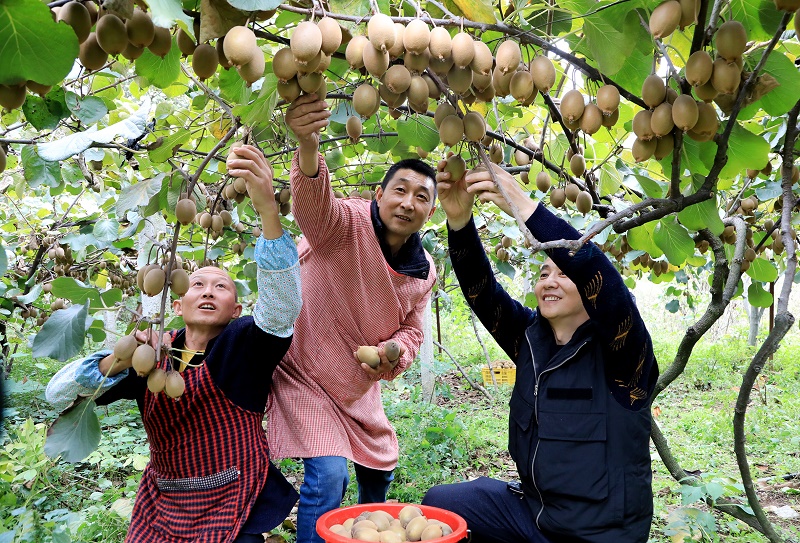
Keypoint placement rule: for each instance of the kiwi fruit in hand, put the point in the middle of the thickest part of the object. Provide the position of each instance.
(369, 356)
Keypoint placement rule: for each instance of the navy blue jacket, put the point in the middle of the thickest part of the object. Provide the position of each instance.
(579, 422)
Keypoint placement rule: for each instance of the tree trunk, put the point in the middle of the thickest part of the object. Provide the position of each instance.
(426, 356)
(754, 316)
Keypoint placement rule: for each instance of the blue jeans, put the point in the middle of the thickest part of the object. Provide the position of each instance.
(325, 481)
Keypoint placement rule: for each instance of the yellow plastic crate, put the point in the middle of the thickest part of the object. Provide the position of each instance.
(502, 376)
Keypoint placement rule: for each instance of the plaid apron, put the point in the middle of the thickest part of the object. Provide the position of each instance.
(208, 463)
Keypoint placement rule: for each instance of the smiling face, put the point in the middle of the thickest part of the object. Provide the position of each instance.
(210, 303)
(406, 203)
(558, 297)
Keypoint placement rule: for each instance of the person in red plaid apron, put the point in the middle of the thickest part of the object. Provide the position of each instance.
(210, 478)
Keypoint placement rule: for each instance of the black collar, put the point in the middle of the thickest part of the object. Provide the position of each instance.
(410, 259)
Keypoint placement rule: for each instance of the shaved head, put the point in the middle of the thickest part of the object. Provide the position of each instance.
(211, 272)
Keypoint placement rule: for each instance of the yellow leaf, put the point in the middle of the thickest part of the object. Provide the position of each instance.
(477, 10)
(220, 128)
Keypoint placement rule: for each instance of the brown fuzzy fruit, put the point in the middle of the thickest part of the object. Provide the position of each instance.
(185, 210)
(283, 65)
(162, 42)
(253, 70)
(91, 55)
(521, 157)
(543, 181)
(416, 37)
(132, 52)
(331, 35)
(463, 50)
(205, 61)
(397, 50)
(376, 61)
(558, 197)
(442, 110)
(698, 68)
(685, 112)
(592, 119)
(418, 91)
(354, 127)
(661, 122)
(143, 360)
(654, 91)
(608, 99)
(289, 90)
(572, 105)
(174, 385)
(508, 56)
(305, 43)
(643, 150)
(584, 202)
(365, 99)
(2, 160)
(731, 40)
(77, 16)
(380, 30)
(417, 64)
(642, 125)
(707, 120)
(496, 153)
(111, 34)
(186, 43)
(690, 9)
(577, 165)
(354, 53)
(706, 92)
(665, 19)
(664, 146)
(397, 79)
(459, 79)
(392, 350)
(179, 281)
(726, 77)
(474, 126)
(367, 354)
(482, 61)
(521, 85)
(140, 29)
(154, 281)
(125, 348)
(12, 96)
(156, 380)
(440, 44)
(451, 130)
(240, 45)
(543, 72)
(456, 167)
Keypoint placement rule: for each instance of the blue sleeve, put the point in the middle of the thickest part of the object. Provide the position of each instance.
(80, 378)
(279, 294)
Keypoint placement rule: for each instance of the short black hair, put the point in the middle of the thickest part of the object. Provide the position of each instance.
(413, 164)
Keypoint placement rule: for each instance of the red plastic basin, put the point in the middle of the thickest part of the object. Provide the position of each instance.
(338, 516)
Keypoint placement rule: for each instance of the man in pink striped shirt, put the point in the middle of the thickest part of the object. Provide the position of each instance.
(366, 279)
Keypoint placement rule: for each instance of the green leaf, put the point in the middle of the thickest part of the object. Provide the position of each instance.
(780, 100)
(674, 240)
(75, 292)
(759, 17)
(88, 110)
(74, 434)
(62, 335)
(757, 296)
(233, 88)
(610, 179)
(702, 215)
(106, 230)
(165, 13)
(111, 297)
(608, 39)
(38, 115)
(138, 194)
(418, 131)
(38, 171)
(506, 269)
(479, 11)
(260, 111)
(3, 259)
(356, 8)
(32, 45)
(641, 239)
(160, 72)
(762, 269)
(745, 150)
(166, 150)
(651, 187)
(255, 5)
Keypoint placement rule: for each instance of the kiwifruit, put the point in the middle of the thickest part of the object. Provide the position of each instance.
(140, 28)
(366, 100)
(608, 99)
(143, 359)
(174, 386)
(440, 67)
(543, 72)
(787, 5)
(474, 126)
(418, 91)
(227, 218)
(543, 181)
(496, 153)
(2, 159)
(661, 122)
(481, 82)
(154, 281)
(162, 42)
(456, 167)
(731, 40)
(558, 197)
(309, 83)
(672, 94)
(725, 77)
(664, 146)
(354, 53)
(111, 34)
(439, 44)
(205, 61)
(376, 61)
(223, 60)
(521, 85)
(289, 90)
(186, 43)
(463, 50)
(283, 65)
(643, 150)
(354, 127)
(434, 92)
(577, 165)
(707, 121)
(508, 56)
(91, 54)
(665, 19)
(125, 347)
(331, 35)
(38, 88)
(521, 157)
(77, 16)
(368, 355)
(380, 30)
(179, 281)
(397, 50)
(706, 92)
(240, 45)
(572, 105)
(690, 9)
(12, 96)
(482, 61)
(417, 36)
(253, 70)
(397, 78)
(592, 119)
(443, 110)
(459, 79)
(393, 100)
(156, 380)
(132, 52)
(584, 202)
(501, 82)
(451, 130)
(305, 43)
(185, 210)
(417, 63)
(654, 91)
(485, 95)
(698, 68)
(642, 125)
(431, 531)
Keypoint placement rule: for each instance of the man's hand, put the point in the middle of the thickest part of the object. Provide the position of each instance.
(306, 117)
(385, 365)
(480, 183)
(251, 165)
(453, 197)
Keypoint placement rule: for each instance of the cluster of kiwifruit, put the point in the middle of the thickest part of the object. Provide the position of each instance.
(300, 67)
(368, 354)
(590, 117)
(453, 128)
(502, 363)
(152, 278)
(143, 361)
(410, 525)
(501, 249)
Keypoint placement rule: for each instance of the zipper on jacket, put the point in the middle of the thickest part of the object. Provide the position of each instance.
(536, 415)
